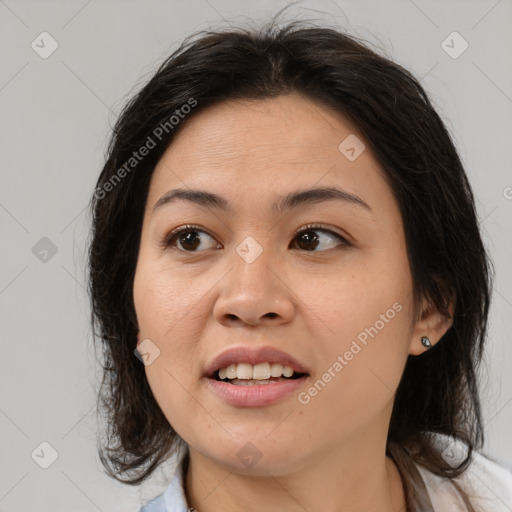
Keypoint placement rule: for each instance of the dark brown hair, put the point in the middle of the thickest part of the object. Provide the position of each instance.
(438, 390)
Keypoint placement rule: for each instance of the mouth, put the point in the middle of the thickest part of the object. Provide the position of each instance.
(246, 374)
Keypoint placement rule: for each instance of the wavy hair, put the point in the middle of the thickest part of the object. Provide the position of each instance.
(438, 391)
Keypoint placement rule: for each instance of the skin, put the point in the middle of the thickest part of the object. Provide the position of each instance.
(328, 454)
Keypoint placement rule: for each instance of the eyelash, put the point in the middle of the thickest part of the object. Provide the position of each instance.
(167, 241)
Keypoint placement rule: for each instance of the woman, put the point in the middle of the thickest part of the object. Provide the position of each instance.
(285, 237)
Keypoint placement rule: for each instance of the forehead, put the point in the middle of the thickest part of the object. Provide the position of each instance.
(264, 149)
(289, 127)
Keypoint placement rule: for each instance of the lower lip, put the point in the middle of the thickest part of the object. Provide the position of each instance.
(257, 395)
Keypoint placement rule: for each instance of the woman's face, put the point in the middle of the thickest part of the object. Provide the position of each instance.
(336, 297)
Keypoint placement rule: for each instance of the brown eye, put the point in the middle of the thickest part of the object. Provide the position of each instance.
(308, 239)
(188, 239)
(193, 239)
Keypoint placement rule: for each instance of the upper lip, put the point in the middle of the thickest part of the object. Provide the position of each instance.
(252, 355)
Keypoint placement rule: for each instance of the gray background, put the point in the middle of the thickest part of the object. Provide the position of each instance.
(56, 117)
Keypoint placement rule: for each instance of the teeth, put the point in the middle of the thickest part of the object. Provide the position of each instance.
(287, 371)
(276, 370)
(261, 371)
(244, 371)
(231, 371)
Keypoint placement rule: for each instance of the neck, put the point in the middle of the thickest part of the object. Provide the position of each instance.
(355, 478)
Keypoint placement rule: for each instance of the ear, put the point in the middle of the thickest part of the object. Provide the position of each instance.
(431, 323)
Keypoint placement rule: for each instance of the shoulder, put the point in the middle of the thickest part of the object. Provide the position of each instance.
(173, 499)
(491, 481)
(155, 505)
(487, 482)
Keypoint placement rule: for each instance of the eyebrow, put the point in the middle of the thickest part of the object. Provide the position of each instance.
(284, 203)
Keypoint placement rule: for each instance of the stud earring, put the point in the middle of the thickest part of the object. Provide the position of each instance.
(426, 342)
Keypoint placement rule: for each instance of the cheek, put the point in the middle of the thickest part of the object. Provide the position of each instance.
(359, 378)
(362, 335)
(355, 303)
(164, 300)
(169, 311)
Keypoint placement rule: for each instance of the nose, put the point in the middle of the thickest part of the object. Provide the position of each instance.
(254, 293)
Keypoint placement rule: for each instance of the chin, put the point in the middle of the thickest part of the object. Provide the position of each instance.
(257, 458)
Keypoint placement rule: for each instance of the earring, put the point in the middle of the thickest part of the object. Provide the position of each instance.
(426, 342)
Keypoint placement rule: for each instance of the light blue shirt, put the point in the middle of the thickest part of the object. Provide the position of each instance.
(489, 484)
(173, 499)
